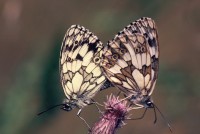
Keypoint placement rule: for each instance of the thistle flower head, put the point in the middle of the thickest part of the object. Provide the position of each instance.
(116, 107)
(115, 113)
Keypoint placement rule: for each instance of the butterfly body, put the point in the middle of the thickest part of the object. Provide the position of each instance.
(141, 101)
(78, 102)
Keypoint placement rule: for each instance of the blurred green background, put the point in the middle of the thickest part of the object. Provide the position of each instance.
(31, 33)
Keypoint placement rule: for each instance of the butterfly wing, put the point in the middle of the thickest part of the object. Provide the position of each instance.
(130, 60)
(81, 75)
(124, 63)
(147, 27)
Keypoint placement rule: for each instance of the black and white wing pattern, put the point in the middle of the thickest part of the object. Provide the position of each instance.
(130, 60)
(80, 72)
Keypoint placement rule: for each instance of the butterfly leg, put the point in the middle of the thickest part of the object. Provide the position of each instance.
(79, 115)
(118, 93)
(131, 104)
(123, 99)
(96, 104)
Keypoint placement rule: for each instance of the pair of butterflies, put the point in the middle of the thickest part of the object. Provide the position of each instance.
(129, 62)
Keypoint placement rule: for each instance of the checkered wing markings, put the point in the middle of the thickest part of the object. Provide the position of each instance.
(79, 63)
(127, 62)
(136, 67)
(147, 27)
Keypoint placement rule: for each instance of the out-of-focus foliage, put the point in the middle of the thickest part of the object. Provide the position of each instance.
(31, 35)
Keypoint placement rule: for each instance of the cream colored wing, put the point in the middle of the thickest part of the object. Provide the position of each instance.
(130, 60)
(80, 72)
(127, 63)
(147, 27)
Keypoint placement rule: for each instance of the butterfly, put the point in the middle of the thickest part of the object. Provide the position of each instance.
(80, 73)
(130, 61)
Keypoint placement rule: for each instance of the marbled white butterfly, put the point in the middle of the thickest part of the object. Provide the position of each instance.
(80, 72)
(130, 61)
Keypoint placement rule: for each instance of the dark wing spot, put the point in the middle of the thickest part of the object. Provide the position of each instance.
(92, 46)
(145, 35)
(75, 47)
(79, 57)
(152, 42)
(135, 24)
(134, 31)
(85, 41)
(90, 34)
(154, 62)
(66, 48)
(144, 67)
(70, 48)
(76, 42)
(126, 38)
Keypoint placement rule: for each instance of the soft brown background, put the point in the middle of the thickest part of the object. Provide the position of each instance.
(31, 33)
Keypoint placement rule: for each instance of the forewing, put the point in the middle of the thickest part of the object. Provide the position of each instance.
(80, 72)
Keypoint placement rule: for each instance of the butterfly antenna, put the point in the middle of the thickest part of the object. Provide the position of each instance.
(170, 128)
(49, 109)
(155, 115)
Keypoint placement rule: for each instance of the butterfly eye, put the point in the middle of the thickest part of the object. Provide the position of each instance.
(115, 57)
(143, 49)
(97, 60)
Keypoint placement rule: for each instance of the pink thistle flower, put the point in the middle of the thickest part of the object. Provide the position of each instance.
(115, 113)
